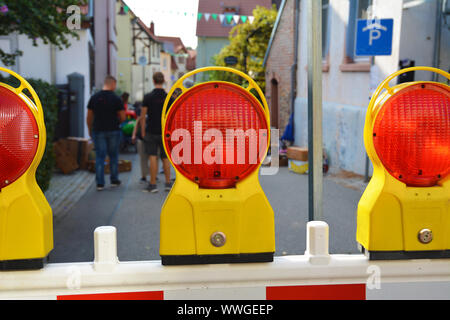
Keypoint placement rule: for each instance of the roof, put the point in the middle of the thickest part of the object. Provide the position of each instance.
(147, 30)
(175, 43)
(274, 31)
(214, 28)
(141, 24)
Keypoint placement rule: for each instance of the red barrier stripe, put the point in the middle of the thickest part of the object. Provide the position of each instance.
(146, 295)
(318, 292)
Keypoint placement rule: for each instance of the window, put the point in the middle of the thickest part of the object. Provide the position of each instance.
(358, 9)
(229, 12)
(325, 30)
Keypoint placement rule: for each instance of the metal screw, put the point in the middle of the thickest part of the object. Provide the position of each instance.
(218, 239)
(425, 236)
(6, 181)
(36, 136)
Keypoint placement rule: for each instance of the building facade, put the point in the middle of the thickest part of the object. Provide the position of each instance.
(105, 38)
(349, 80)
(280, 65)
(90, 57)
(139, 53)
(213, 34)
(168, 68)
(175, 46)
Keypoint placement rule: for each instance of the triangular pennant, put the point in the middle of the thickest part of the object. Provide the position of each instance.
(251, 18)
(244, 19)
(221, 17)
(207, 15)
(214, 16)
(229, 18)
(236, 18)
(199, 16)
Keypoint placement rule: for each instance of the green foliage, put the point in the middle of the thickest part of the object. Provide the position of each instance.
(48, 94)
(248, 42)
(43, 19)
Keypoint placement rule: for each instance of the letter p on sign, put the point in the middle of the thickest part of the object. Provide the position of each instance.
(374, 37)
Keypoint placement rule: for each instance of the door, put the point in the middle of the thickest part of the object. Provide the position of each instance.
(274, 108)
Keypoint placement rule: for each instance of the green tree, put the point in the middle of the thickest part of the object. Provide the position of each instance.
(248, 43)
(43, 19)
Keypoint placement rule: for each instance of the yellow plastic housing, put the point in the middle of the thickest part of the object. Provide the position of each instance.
(390, 214)
(26, 227)
(191, 215)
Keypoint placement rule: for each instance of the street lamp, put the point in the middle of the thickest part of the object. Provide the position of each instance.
(251, 34)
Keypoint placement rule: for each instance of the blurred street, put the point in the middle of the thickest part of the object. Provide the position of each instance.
(135, 214)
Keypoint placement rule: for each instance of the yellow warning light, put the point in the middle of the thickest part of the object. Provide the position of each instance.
(26, 231)
(404, 212)
(216, 135)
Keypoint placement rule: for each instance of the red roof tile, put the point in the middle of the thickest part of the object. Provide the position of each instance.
(176, 41)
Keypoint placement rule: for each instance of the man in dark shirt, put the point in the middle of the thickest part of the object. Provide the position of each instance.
(151, 131)
(105, 113)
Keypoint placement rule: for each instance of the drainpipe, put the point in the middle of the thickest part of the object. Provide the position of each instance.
(437, 38)
(294, 66)
(53, 64)
(108, 50)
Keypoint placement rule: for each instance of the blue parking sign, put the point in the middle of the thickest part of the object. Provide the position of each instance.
(374, 37)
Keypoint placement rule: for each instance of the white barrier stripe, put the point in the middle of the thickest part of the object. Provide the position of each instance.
(152, 276)
(315, 274)
(437, 290)
(236, 293)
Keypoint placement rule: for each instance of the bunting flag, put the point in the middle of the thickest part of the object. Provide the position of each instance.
(206, 15)
(229, 18)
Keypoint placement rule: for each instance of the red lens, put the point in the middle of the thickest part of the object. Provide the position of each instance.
(18, 137)
(411, 134)
(224, 133)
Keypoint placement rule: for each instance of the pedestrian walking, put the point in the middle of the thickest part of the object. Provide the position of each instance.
(151, 131)
(105, 113)
(137, 138)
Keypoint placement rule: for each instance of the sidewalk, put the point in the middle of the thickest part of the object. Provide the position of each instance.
(66, 190)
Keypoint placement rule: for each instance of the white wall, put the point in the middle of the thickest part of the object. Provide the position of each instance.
(104, 10)
(36, 61)
(419, 26)
(76, 59)
(345, 94)
(155, 65)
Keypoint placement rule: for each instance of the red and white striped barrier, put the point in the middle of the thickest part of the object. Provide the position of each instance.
(314, 275)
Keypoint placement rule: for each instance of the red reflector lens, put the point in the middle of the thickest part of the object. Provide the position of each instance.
(18, 137)
(216, 134)
(411, 134)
